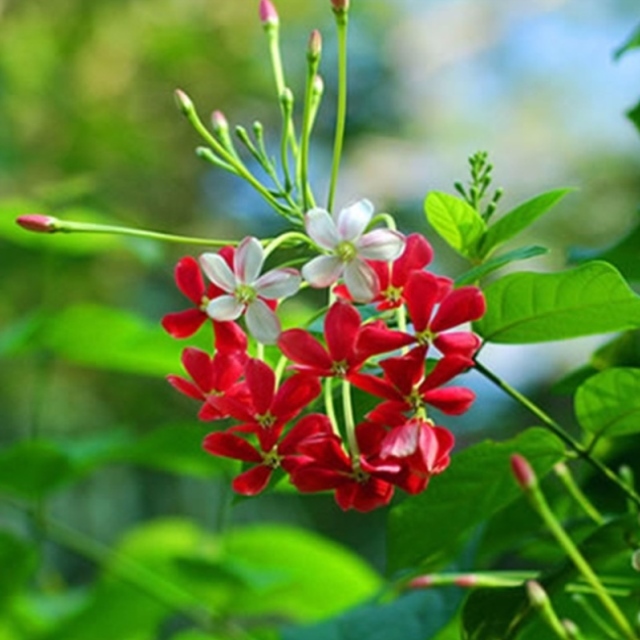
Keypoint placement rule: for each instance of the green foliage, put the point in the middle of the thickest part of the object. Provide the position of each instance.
(540, 307)
(478, 484)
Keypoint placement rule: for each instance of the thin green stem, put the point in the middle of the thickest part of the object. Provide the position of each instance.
(329, 406)
(559, 431)
(349, 424)
(308, 200)
(283, 238)
(566, 477)
(342, 22)
(386, 218)
(595, 617)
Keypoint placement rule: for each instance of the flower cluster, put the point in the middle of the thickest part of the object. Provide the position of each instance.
(400, 359)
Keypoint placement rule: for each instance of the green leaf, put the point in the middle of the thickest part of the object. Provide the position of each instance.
(518, 219)
(18, 561)
(523, 253)
(33, 469)
(632, 42)
(622, 351)
(608, 403)
(477, 484)
(634, 115)
(106, 338)
(540, 307)
(459, 224)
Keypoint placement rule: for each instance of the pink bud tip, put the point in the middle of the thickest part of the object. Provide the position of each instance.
(537, 595)
(421, 582)
(268, 13)
(183, 101)
(219, 121)
(315, 45)
(467, 581)
(37, 222)
(523, 471)
(341, 6)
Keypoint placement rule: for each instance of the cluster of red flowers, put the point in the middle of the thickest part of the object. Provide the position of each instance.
(396, 444)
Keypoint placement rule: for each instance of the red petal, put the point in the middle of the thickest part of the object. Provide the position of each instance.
(450, 400)
(229, 337)
(404, 372)
(189, 279)
(461, 305)
(417, 254)
(464, 343)
(294, 395)
(225, 369)
(198, 366)
(252, 481)
(186, 387)
(183, 324)
(262, 383)
(364, 497)
(446, 369)
(421, 294)
(302, 348)
(311, 478)
(375, 386)
(228, 445)
(402, 441)
(375, 338)
(311, 425)
(340, 329)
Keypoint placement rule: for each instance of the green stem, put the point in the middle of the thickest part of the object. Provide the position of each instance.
(342, 22)
(329, 407)
(308, 200)
(541, 506)
(350, 425)
(566, 477)
(557, 429)
(286, 237)
(386, 218)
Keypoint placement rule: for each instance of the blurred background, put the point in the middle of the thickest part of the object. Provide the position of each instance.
(89, 130)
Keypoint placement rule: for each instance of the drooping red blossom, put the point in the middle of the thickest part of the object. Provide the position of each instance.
(282, 454)
(267, 409)
(211, 377)
(189, 280)
(407, 388)
(362, 485)
(433, 312)
(349, 343)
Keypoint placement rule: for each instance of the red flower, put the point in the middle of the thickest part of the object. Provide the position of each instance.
(283, 454)
(465, 304)
(266, 410)
(210, 377)
(349, 343)
(406, 387)
(189, 280)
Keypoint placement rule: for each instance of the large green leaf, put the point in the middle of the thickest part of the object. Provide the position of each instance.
(539, 307)
(518, 219)
(608, 403)
(459, 224)
(105, 338)
(426, 530)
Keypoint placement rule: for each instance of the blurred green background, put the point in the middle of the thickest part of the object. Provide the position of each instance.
(89, 130)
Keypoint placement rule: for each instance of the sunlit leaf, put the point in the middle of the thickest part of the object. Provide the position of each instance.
(539, 307)
(493, 264)
(429, 529)
(518, 219)
(608, 403)
(459, 224)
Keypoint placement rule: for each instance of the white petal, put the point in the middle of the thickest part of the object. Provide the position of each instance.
(321, 228)
(224, 308)
(381, 244)
(353, 220)
(278, 283)
(248, 260)
(262, 322)
(361, 280)
(218, 271)
(322, 271)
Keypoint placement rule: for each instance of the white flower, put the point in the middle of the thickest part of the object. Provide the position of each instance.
(246, 290)
(342, 235)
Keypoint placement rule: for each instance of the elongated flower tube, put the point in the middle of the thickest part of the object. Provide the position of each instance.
(342, 236)
(247, 291)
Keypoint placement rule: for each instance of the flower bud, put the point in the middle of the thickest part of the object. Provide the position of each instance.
(635, 560)
(340, 6)
(268, 14)
(38, 223)
(317, 87)
(184, 102)
(219, 122)
(467, 581)
(421, 582)
(537, 595)
(523, 472)
(314, 49)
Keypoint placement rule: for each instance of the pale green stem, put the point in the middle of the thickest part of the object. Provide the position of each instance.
(350, 425)
(564, 474)
(541, 506)
(386, 218)
(280, 367)
(308, 200)
(597, 619)
(488, 579)
(557, 429)
(329, 406)
(260, 351)
(342, 21)
(66, 226)
(542, 604)
(286, 237)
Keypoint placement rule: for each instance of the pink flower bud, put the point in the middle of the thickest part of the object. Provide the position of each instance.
(421, 582)
(183, 101)
(340, 6)
(38, 223)
(523, 472)
(268, 13)
(314, 49)
(537, 595)
(219, 122)
(469, 581)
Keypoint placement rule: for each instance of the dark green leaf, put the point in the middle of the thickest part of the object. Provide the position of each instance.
(426, 530)
(518, 219)
(459, 224)
(608, 403)
(634, 115)
(540, 307)
(523, 253)
(622, 351)
(632, 42)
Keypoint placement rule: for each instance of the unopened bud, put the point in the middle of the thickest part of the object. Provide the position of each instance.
(184, 102)
(421, 582)
(635, 560)
(340, 6)
(38, 222)
(286, 100)
(219, 122)
(268, 14)
(537, 595)
(573, 632)
(314, 50)
(317, 87)
(523, 472)
(467, 581)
